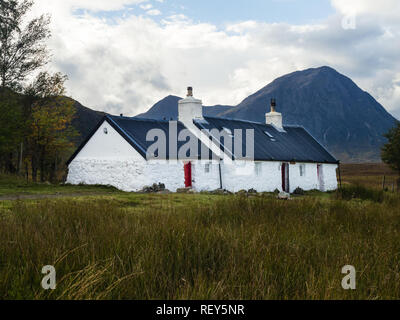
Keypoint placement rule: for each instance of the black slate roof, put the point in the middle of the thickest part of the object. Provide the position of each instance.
(134, 131)
(294, 144)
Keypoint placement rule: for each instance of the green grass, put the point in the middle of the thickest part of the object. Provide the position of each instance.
(107, 244)
(132, 246)
(13, 185)
(358, 191)
(369, 175)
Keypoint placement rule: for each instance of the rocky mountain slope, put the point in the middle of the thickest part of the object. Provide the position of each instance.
(344, 118)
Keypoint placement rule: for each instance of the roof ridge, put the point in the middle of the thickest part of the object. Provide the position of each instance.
(231, 119)
(254, 122)
(140, 119)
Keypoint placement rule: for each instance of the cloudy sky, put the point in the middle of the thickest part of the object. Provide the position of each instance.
(122, 56)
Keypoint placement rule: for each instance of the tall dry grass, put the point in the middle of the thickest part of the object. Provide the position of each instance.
(231, 248)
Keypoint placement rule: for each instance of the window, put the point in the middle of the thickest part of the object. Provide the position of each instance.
(268, 134)
(207, 168)
(302, 169)
(257, 167)
(105, 131)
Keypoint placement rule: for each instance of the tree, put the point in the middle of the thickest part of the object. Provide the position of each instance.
(51, 132)
(391, 150)
(35, 119)
(22, 45)
(11, 132)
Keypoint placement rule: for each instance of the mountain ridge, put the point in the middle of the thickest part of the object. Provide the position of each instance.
(347, 120)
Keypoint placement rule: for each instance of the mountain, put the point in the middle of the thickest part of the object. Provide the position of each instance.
(348, 121)
(85, 120)
(167, 109)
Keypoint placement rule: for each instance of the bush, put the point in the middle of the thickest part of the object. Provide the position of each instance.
(298, 191)
(360, 192)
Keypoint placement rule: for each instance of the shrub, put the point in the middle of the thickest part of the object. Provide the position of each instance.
(360, 192)
(298, 191)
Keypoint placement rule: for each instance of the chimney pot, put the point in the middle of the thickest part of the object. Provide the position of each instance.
(190, 92)
(274, 118)
(273, 105)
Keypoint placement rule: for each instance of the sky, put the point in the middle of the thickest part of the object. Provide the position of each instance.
(122, 56)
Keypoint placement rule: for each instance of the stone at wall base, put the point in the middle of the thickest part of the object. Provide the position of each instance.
(184, 190)
(284, 196)
(154, 188)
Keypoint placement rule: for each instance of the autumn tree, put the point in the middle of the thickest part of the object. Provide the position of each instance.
(22, 51)
(11, 134)
(50, 124)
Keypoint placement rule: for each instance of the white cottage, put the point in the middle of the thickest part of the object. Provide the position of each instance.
(203, 153)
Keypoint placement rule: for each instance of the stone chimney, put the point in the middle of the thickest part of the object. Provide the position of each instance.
(190, 108)
(274, 118)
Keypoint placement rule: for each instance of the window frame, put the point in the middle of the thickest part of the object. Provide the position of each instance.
(302, 169)
(258, 168)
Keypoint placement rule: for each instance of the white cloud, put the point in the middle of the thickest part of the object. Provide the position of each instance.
(94, 5)
(361, 7)
(146, 6)
(128, 65)
(154, 12)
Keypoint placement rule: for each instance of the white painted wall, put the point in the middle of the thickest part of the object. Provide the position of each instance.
(204, 181)
(108, 146)
(330, 178)
(310, 179)
(108, 159)
(241, 175)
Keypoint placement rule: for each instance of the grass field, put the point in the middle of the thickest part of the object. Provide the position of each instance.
(107, 244)
(11, 185)
(369, 174)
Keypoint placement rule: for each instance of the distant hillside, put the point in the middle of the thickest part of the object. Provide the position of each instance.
(167, 109)
(344, 118)
(85, 120)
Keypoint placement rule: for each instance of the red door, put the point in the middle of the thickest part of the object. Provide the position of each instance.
(188, 175)
(285, 177)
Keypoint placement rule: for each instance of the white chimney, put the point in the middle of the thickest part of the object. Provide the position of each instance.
(274, 118)
(190, 108)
